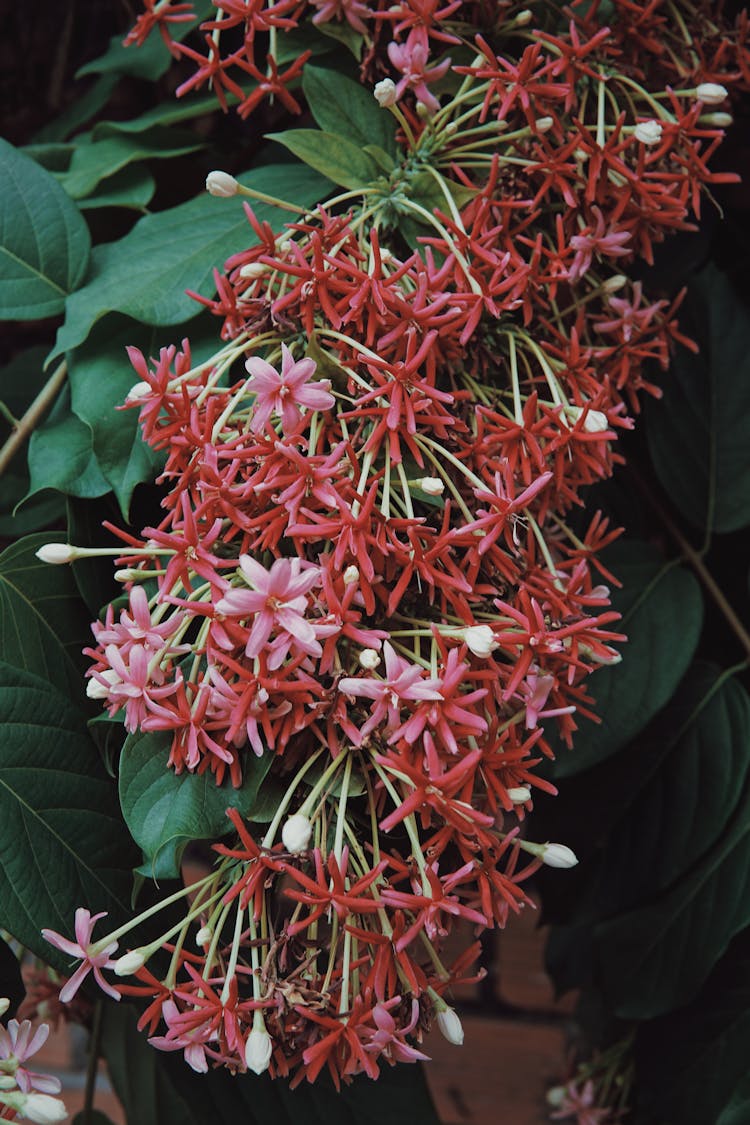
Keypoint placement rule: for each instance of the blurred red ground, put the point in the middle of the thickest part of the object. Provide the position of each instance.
(510, 1055)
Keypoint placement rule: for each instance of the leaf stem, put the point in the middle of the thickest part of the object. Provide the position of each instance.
(33, 415)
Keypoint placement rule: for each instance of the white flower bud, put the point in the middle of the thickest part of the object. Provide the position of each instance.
(385, 93)
(524, 18)
(7, 1083)
(450, 1026)
(258, 1049)
(130, 963)
(558, 855)
(95, 689)
(711, 93)
(719, 120)
(4, 1005)
(351, 575)
(556, 1096)
(139, 391)
(221, 184)
(520, 794)
(204, 935)
(369, 658)
(296, 833)
(43, 1109)
(480, 640)
(595, 421)
(56, 553)
(648, 132)
(253, 270)
(543, 124)
(614, 284)
(433, 486)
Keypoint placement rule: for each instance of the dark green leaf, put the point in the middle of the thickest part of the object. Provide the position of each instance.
(345, 33)
(44, 241)
(20, 382)
(662, 612)
(340, 160)
(165, 113)
(53, 157)
(43, 624)
(146, 273)
(149, 61)
(132, 187)
(698, 432)
(96, 1117)
(61, 455)
(123, 456)
(11, 984)
(654, 957)
(692, 1063)
(165, 810)
(82, 110)
(97, 160)
(61, 834)
(345, 108)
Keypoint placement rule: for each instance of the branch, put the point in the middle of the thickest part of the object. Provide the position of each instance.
(33, 415)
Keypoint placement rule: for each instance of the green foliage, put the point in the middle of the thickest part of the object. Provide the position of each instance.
(132, 187)
(97, 160)
(145, 274)
(341, 160)
(43, 625)
(662, 614)
(698, 433)
(164, 810)
(346, 109)
(44, 241)
(61, 455)
(59, 816)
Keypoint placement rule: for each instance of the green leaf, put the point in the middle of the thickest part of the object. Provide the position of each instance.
(123, 456)
(345, 108)
(97, 160)
(425, 190)
(692, 1063)
(43, 624)
(61, 455)
(20, 382)
(149, 61)
(697, 434)
(654, 957)
(146, 273)
(44, 241)
(340, 160)
(80, 112)
(55, 157)
(165, 113)
(61, 834)
(132, 187)
(165, 810)
(662, 615)
(345, 33)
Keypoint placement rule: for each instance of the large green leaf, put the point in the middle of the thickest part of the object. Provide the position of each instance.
(146, 273)
(662, 614)
(133, 187)
(165, 810)
(692, 1063)
(20, 382)
(100, 159)
(165, 113)
(44, 241)
(80, 112)
(61, 455)
(341, 160)
(101, 376)
(655, 956)
(698, 433)
(62, 841)
(43, 624)
(345, 108)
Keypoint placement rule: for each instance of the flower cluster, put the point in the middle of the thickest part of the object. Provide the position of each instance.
(366, 569)
(25, 1094)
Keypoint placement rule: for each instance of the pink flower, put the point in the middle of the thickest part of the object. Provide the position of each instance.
(277, 600)
(608, 243)
(17, 1043)
(354, 11)
(403, 681)
(87, 951)
(284, 393)
(389, 1039)
(410, 59)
